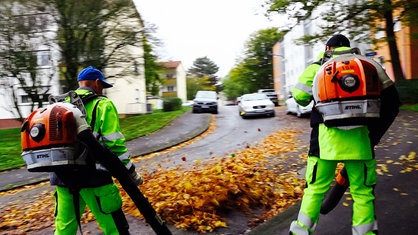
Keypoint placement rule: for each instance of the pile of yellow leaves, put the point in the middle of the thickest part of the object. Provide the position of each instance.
(194, 198)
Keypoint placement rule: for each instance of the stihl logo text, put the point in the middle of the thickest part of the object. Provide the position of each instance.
(351, 107)
(42, 156)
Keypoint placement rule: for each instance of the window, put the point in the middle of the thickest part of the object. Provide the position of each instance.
(27, 99)
(397, 27)
(43, 58)
(380, 31)
(33, 22)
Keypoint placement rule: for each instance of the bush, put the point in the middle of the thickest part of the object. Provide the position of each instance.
(408, 91)
(171, 104)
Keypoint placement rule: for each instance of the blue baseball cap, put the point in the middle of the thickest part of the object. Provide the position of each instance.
(91, 73)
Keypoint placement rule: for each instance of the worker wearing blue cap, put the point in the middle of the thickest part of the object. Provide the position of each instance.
(92, 74)
(94, 187)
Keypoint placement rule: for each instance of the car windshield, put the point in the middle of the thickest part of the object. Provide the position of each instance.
(209, 95)
(255, 96)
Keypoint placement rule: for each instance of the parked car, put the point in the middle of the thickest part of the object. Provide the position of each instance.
(271, 94)
(205, 101)
(255, 104)
(292, 107)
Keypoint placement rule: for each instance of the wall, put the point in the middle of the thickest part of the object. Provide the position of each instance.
(408, 53)
(128, 77)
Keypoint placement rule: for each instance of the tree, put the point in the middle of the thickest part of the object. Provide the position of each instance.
(258, 57)
(255, 70)
(360, 19)
(23, 38)
(152, 67)
(202, 67)
(195, 84)
(235, 84)
(94, 32)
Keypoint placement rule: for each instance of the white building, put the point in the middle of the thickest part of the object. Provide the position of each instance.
(128, 77)
(175, 83)
(39, 39)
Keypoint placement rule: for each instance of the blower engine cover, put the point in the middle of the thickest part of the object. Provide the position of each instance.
(347, 90)
(49, 138)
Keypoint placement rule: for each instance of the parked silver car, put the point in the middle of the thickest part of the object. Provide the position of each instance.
(294, 108)
(205, 101)
(255, 104)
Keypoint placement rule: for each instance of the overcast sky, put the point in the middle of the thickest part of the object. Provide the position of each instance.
(191, 29)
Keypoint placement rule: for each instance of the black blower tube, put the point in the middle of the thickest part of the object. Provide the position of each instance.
(119, 171)
(335, 194)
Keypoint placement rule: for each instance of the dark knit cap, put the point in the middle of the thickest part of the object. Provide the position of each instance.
(338, 40)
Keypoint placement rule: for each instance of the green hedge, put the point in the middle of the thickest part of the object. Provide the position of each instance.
(172, 104)
(408, 91)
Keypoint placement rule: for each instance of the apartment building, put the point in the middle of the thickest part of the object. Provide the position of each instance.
(174, 77)
(291, 58)
(128, 77)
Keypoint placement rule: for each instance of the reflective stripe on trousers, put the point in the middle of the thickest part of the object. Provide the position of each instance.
(302, 226)
(364, 229)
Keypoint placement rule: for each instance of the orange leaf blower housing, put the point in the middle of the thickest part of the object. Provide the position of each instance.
(347, 90)
(48, 127)
(348, 79)
(49, 138)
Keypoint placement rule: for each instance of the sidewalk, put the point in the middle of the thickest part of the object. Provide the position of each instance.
(186, 127)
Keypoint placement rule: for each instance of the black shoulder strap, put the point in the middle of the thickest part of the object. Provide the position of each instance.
(319, 62)
(75, 191)
(89, 98)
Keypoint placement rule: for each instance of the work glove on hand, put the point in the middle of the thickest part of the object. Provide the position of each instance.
(135, 176)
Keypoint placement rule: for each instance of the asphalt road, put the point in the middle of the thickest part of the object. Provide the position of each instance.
(232, 133)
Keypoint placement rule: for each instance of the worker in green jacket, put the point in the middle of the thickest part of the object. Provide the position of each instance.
(352, 146)
(94, 187)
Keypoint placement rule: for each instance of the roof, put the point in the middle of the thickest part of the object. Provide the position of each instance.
(171, 64)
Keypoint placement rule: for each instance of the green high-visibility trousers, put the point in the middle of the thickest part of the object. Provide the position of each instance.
(104, 202)
(319, 175)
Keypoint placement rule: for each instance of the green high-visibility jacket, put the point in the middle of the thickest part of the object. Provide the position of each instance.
(106, 126)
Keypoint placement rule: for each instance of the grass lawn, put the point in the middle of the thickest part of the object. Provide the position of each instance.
(132, 127)
(412, 107)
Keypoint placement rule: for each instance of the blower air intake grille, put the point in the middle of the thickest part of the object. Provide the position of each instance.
(55, 123)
